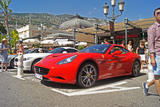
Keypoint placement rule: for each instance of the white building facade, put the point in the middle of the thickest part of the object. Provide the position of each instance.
(25, 32)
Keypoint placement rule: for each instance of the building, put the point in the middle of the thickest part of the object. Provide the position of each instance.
(24, 32)
(136, 30)
(32, 31)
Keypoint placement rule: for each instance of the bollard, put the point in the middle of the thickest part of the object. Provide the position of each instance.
(20, 65)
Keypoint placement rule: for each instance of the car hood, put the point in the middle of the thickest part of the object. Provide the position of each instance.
(55, 58)
(12, 56)
(36, 55)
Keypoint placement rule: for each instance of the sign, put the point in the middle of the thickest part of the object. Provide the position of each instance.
(38, 76)
(128, 36)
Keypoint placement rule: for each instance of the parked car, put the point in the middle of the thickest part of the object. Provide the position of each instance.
(36, 50)
(31, 58)
(89, 65)
(11, 58)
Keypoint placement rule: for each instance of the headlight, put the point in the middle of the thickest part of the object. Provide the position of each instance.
(28, 58)
(67, 60)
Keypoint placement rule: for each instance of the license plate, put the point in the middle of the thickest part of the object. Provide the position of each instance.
(38, 76)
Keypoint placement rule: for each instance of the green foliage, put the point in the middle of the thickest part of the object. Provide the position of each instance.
(14, 38)
(2, 32)
(4, 5)
(2, 36)
(2, 29)
(37, 45)
(80, 47)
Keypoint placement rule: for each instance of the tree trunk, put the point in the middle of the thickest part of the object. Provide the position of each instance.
(7, 28)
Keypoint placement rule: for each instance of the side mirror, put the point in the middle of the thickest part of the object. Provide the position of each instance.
(116, 53)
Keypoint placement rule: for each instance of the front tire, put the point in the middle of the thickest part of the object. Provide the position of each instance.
(34, 62)
(12, 63)
(87, 75)
(136, 68)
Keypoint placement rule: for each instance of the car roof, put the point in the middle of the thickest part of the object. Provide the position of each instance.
(68, 48)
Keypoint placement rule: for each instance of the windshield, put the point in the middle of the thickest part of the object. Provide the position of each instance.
(101, 48)
(56, 50)
(27, 51)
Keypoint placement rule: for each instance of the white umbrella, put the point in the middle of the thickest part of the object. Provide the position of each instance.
(47, 42)
(63, 43)
(31, 41)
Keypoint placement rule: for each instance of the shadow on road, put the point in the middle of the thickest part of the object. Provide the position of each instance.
(59, 85)
(98, 83)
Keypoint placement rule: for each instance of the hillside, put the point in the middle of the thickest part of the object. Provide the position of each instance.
(21, 19)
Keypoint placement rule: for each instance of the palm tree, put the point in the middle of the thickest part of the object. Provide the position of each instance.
(4, 7)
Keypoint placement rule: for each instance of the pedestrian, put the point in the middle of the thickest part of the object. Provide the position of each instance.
(123, 43)
(33, 47)
(20, 60)
(129, 46)
(105, 41)
(141, 50)
(154, 50)
(4, 53)
(21, 48)
(40, 50)
(50, 48)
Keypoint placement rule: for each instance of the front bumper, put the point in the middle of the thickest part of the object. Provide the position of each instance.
(26, 65)
(65, 73)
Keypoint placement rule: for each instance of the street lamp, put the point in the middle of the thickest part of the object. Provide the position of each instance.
(74, 36)
(113, 17)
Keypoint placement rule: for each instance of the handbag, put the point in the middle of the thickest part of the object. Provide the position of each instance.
(1, 47)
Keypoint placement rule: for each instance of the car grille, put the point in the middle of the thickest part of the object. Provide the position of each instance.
(41, 71)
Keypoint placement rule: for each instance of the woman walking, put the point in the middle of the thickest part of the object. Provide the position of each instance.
(141, 50)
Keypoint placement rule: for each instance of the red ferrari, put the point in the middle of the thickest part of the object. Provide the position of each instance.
(89, 65)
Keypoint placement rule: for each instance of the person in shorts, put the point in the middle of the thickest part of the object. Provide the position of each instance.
(4, 53)
(154, 50)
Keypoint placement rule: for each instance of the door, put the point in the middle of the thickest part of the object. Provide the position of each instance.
(116, 64)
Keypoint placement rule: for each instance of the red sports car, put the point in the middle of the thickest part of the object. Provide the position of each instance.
(89, 65)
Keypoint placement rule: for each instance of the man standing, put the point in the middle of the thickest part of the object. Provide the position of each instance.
(4, 54)
(154, 50)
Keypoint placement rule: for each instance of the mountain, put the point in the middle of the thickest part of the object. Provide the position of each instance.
(21, 19)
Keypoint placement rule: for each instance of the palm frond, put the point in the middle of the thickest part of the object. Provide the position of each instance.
(9, 2)
(10, 11)
(1, 3)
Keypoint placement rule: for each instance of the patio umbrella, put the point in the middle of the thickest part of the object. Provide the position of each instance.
(31, 41)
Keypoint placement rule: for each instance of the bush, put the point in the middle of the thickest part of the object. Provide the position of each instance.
(80, 47)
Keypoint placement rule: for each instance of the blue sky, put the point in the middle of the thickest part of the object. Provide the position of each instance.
(134, 9)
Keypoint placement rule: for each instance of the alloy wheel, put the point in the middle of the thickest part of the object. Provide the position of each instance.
(87, 75)
(136, 68)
